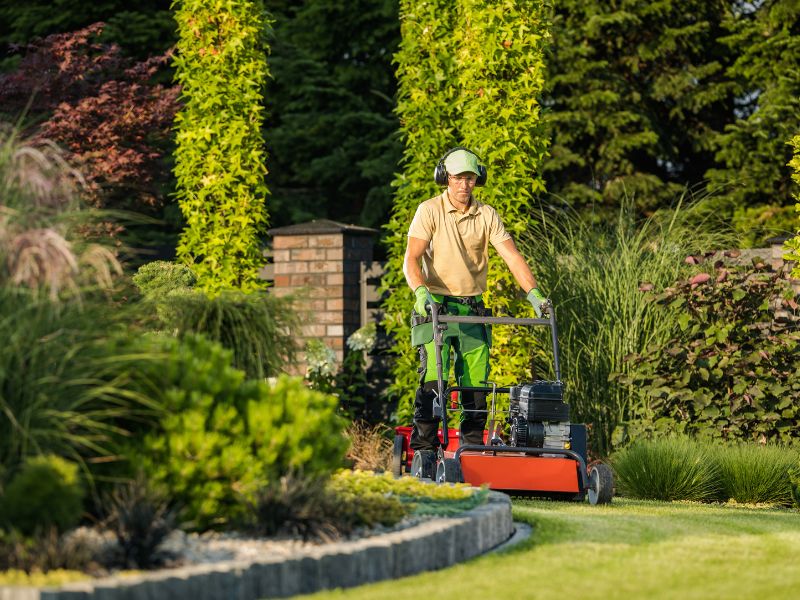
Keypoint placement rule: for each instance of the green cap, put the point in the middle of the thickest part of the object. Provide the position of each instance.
(461, 161)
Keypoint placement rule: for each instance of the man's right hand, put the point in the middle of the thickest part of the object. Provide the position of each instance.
(423, 298)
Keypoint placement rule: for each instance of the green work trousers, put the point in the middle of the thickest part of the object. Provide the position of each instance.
(469, 343)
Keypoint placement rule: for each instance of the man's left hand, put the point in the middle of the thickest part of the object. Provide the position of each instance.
(539, 302)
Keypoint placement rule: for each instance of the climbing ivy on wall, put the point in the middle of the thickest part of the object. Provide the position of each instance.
(469, 73)
(221, 65)
(793, 245)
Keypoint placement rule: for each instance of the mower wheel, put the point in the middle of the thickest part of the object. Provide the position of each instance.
(449, 471)
(601, 484)
(423, 464)
(397, 456)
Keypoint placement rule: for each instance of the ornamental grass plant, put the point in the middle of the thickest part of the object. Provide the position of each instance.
(598, 276)
(755, 474)
(674, 468)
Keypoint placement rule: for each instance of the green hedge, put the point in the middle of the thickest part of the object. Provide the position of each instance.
(221, 65)
(469, 73)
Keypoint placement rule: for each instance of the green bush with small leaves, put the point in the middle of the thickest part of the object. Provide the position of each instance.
(46, 492)
(219, 436)
(221, 65)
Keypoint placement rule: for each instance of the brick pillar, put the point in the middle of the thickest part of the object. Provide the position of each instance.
(320, 262)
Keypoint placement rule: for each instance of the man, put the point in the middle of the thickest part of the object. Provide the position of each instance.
(446, 262)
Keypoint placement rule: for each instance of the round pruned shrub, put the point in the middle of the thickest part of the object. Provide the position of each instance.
(45, 493)
(220, 437)
(673, 468)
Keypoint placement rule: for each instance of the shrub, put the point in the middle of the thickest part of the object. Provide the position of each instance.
(674, 468)
(23, 559)
(730, 366)
(45, 493)
(754, 474)
(220, 437)
(349, 381)
(258, 327)
(160, 277)
(104, 109)
(140, 520)
(221, 65)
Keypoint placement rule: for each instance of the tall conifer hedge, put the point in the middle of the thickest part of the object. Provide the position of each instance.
(469, 73)
(222, 68)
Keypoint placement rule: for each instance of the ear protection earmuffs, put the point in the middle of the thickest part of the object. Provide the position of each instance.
(440, 172)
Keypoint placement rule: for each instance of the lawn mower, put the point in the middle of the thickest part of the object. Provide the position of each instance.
(545, 454)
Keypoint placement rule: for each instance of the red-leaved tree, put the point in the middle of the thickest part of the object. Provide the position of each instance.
(106, 111)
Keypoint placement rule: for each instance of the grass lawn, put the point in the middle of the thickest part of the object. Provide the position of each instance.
(629, 549)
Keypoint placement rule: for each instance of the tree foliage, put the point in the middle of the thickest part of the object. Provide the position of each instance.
(647, 98)
(141, 29)
(469, 74)
(635, 92)
(220, 158)
(332, 132)
(763, 40)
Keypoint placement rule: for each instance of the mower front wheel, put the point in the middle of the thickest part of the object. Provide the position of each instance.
(423, 464)
(601, 484)
(397, 455)
(449, 471)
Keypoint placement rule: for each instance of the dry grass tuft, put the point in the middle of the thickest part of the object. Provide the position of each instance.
(370, 448)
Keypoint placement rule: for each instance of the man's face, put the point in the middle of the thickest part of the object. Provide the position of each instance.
(460, 186)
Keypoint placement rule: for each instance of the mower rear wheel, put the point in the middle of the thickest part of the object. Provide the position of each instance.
(397, 456)
(423, 464)
(601, 484)
(449, 471)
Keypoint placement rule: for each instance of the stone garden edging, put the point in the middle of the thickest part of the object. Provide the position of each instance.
(434, 544)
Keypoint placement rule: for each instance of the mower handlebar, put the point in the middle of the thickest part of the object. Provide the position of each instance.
(493, 320)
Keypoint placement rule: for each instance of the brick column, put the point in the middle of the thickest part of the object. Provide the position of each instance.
(320, 262)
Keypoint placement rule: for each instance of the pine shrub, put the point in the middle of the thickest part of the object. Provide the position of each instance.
(220, 436)
(46, 492)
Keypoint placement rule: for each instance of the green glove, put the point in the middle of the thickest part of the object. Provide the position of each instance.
(423, 297)
(538, 301)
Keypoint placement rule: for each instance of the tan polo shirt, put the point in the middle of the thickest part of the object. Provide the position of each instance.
(457, 259)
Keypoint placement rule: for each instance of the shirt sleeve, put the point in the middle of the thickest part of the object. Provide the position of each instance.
(422, 224)
(497, 231)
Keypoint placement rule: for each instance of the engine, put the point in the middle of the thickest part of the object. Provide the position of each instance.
(539, 416)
